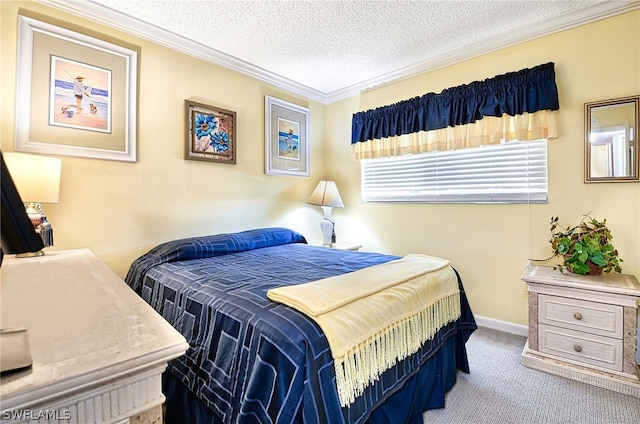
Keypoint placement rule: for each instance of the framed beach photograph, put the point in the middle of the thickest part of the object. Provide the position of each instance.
(286, 138)
(77, 92)
(210, 133)
(79, 95)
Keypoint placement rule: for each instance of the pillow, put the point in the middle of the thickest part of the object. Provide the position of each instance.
(209, 246)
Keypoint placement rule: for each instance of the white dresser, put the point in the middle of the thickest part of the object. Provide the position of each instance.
(584, 327)
(98, 349)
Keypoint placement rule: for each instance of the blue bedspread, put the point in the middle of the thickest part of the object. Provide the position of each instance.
(250, 359)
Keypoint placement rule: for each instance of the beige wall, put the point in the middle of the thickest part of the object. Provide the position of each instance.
(120, 210)
(490, 244)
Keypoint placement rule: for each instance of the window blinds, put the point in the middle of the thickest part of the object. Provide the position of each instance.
(513, 172)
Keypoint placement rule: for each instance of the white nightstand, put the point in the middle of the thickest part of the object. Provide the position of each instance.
(346, 246)
(584, 327)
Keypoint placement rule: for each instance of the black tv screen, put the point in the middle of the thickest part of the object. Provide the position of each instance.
(18, 234)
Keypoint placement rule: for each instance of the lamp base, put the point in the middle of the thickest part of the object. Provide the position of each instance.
(30, 254)
(327, 232)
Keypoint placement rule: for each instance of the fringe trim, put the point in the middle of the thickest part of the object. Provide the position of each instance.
(364, 364)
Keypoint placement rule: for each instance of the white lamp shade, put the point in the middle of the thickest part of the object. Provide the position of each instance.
(37, 178)
(326, 194)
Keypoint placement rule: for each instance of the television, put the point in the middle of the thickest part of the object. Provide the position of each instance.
(17, 232)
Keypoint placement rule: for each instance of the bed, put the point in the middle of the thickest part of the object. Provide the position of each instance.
(252, 360)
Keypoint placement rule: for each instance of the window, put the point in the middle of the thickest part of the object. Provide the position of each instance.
(512, 172)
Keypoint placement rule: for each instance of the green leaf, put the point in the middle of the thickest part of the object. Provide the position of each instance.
(563, 247)
(598, 259)
(580, 268)
(571, 259)
(583, 257)
(592, 244)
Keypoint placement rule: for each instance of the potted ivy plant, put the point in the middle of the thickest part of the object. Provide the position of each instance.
(586, 247)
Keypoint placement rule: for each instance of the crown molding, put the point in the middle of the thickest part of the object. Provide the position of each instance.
(109, 17)
(127, 24)
(579, 17)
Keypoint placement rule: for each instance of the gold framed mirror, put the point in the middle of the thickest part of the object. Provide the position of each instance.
(611, 140)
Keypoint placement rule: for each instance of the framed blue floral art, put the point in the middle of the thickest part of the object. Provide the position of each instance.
(210, 133)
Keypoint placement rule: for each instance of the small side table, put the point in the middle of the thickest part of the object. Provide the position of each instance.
(584, 327)
(346, 246)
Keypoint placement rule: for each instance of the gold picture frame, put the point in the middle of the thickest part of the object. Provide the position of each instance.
(210, 133)
(77, 92)
(611, 151)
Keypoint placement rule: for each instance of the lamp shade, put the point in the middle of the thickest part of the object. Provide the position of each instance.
(326, 194)
(37, 178)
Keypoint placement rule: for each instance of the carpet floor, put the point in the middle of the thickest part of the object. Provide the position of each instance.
(501, 390)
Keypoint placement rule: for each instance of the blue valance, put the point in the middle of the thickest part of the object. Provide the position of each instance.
(514, 93)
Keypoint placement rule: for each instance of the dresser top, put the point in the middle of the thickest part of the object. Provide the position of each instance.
(623, 284)
(84, 325)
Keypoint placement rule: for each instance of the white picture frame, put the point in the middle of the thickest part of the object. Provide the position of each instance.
(287, 129)
(99, 121)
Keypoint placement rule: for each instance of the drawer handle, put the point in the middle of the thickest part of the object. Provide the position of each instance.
(577, 348)
(577, 316)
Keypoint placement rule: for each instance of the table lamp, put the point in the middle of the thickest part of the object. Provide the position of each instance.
(37, 179)
(326, 196)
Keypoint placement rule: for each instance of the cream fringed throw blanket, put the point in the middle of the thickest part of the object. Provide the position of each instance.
(377, 316)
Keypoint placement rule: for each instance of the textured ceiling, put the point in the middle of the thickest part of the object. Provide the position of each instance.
(336, 46)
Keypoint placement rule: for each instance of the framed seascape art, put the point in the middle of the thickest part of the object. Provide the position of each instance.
(210, 133)
(76, 92)
(286, 138)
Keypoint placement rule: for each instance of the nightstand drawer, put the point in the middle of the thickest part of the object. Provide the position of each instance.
(581, 315)
(582, 347)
